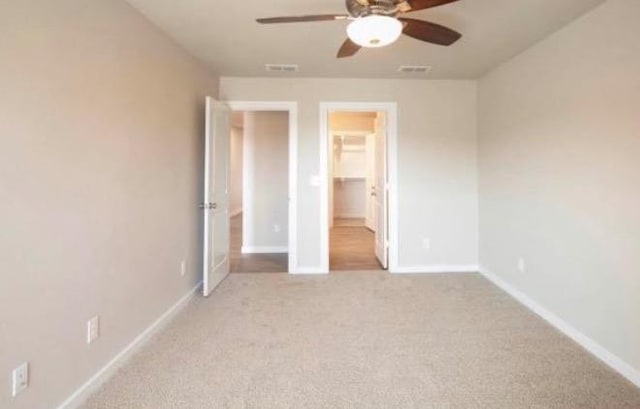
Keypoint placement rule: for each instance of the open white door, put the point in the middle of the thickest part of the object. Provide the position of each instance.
(216, 196)
(370, 183)
(381, 192)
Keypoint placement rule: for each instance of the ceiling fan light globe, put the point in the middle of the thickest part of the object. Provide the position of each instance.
(374, 31)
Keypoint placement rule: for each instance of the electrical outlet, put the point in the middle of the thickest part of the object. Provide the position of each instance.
(20, 377)
(183, 268)
(93, 329)
(426, 244)
(521, 265)
(276, 228)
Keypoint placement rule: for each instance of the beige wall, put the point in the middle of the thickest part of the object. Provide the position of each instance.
(235, 171)
(266, 198)
(101, 171)
(349, 199)
(559, 156)
(352, 121)
(437, 159)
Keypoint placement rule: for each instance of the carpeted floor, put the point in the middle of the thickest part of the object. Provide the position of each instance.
(362, 340)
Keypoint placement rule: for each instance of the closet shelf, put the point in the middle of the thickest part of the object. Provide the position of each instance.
(348, 178)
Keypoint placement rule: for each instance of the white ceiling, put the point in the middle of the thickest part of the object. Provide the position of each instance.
(224, 35)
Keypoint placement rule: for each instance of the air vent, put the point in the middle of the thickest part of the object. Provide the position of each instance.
(414, 69)
(281, 67)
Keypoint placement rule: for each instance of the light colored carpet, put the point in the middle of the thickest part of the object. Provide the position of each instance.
(362, 340)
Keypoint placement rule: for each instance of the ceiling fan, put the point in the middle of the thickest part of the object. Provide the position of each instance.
(377, 23)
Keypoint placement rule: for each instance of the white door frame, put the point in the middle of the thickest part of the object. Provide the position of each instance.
(292, 109)
(391, 110)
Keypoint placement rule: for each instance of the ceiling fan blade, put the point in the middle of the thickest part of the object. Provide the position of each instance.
(429, 32)
(302, 19)
(348, 49)
(426, 4)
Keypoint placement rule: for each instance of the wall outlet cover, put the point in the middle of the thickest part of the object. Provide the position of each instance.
(183, 268)
(20, 377)
(93, 329)
(521, 265)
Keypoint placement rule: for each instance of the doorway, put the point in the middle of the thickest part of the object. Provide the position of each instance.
(259, 193)
(352, 169)
(358, 141)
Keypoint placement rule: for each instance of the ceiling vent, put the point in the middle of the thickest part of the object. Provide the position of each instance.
(281, 67)
(414, 69)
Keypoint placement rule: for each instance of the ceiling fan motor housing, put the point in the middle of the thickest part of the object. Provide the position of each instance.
(377, 7)
(376, 23)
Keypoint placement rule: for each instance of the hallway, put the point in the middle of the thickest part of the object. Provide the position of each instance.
(351, 247)
(253, 263)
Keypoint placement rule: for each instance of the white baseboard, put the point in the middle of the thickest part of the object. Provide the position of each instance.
(308, 270)
(235, 212)
(435, 269)
(264, 249)
(100, 377)
(613, 361)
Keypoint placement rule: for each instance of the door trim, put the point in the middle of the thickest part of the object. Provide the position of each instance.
(292, 108)
(391, 109)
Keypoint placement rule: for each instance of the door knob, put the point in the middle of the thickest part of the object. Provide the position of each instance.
(208, 206)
